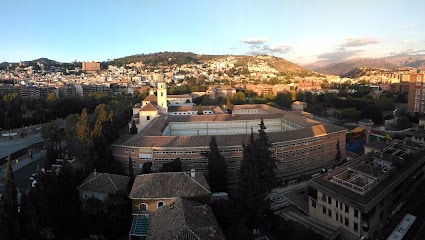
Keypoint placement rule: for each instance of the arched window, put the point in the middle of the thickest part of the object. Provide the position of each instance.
(160, 203)
(143, 207)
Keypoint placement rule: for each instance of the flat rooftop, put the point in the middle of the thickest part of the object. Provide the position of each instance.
(372, 176)
(152, 134)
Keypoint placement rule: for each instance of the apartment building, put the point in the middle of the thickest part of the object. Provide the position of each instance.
(416, 95)
(90, 66)
(360, 195)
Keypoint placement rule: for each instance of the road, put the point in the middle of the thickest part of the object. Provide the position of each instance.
(8, 146)
(23, 167)
(22, 174)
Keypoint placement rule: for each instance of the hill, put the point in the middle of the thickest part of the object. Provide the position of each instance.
(283, 66)
(45, 61)
(347, 67)
(168, 59)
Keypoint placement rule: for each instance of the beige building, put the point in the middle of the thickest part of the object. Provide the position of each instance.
(300, 144)
(90, 66)
(360, 195)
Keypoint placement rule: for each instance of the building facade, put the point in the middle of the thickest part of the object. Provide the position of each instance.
(416, 96)
(90, 66)
(360, 195)
(300, 144)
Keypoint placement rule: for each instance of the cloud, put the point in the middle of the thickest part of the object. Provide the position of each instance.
(338, 56)
(408, 51)
(405, 42)
(258, 46)
(280, 49)
(269, 50)
(255, 40)
(351, 42)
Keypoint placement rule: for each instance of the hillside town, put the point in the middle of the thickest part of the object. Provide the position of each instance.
(211, 147)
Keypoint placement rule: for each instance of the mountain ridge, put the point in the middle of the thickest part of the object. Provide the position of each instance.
(343, 68)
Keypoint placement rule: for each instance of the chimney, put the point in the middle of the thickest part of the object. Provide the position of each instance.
(192, 173)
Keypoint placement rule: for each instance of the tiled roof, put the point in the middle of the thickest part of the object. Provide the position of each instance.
(150, 98)
(234, 140)
(169, 185)
(214, 109)
(184, 219)
(104, 183)
(149, 107)
(179, 96)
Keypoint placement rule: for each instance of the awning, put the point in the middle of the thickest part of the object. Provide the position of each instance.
(357, 130)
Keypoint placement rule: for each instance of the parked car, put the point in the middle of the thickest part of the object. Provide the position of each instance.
(33, 176)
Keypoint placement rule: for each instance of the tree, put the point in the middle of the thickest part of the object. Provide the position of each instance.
(217, 168)
(85, 142)
(133, 129)
(269, 96)
(283, 100)
(9, 219)
(147, 168)
(229, 106)
(173, 166)
(374, 113)
(338, 152)
(256, 176)
(238, 98)
(200, 111)
(130, 169)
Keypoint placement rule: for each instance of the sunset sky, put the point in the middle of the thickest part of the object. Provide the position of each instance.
(299, 31)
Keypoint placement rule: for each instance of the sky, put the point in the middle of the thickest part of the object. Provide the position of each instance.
(302, 31)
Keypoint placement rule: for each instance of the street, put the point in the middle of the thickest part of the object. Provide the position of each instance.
(8, 146)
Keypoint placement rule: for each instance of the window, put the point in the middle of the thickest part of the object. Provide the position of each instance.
(86, 195)
(160, 203)
(356, 227)
(336, 217)
(329, 212)
(143, 207)
(336, 203)
(313, 203)
(323, 197)
(148, 118)
(346, 222)
(98, 197)
(356, 213)
(324, 210)
(340, 218)
(329, 200)
(347, 208)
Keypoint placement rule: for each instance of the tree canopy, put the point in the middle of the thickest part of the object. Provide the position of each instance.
(256, 176)
(217, 168)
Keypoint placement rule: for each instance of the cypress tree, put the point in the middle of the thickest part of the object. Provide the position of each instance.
(217, 168)
(338, 152)
(256, 176)
(130, 169)
(9, 219)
